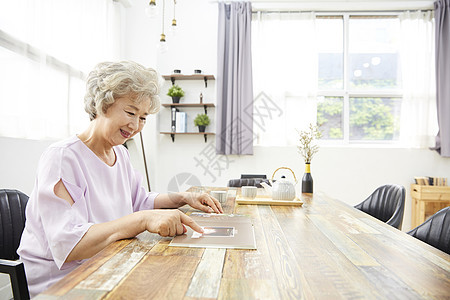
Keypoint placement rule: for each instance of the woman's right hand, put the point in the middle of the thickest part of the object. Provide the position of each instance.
(165, 222)
(168, 222)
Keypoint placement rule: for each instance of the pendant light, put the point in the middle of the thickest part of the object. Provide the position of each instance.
(162, 46)
(151, 10)
(174, 21)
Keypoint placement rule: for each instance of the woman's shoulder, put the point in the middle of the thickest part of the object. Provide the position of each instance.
(60, 159)
(62, 148)
(66, 143)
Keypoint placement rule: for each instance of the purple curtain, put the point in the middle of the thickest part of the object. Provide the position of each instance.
(442, 17)
(234, 80)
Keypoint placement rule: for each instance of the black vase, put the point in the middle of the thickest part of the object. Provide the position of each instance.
(307, 180)
(176, 99)
(201, 128)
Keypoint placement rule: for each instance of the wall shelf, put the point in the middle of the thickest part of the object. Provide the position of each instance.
(172, 134)
(204, 105)
(175, 106)
(174, 77)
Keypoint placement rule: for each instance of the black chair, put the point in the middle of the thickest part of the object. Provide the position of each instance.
(435, 231)
(12, 221)
(243, 176)
(386, 203)
(247, 182)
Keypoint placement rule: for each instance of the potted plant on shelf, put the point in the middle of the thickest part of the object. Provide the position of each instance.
(202, 120)
(176, 92)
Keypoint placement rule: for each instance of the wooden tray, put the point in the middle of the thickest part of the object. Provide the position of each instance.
(261, 200)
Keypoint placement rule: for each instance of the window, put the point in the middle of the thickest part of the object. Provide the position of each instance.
(356, 72)
(45, 54)
(358, 64)
(34, 98)
(349, 77)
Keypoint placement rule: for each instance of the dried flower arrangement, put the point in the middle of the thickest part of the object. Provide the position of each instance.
(307, 148)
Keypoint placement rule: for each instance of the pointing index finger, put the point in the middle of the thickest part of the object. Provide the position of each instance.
(190, 222)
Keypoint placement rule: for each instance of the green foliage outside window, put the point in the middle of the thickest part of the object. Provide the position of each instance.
(373, 119)
(370, 118)
(388, 83)
(329, 117)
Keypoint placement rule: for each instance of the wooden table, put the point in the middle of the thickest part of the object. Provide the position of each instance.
(322, 250)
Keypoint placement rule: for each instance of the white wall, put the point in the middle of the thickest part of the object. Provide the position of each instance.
(19, 160)
(5, 287)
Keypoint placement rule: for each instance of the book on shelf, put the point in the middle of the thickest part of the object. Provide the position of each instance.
(173, 116)
(431, 180)
(180, 122)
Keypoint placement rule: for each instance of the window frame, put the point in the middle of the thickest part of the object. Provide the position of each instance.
(346, 93)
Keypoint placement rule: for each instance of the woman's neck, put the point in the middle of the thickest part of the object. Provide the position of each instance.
(98, 144)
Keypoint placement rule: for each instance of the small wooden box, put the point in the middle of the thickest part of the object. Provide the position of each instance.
(427, 200)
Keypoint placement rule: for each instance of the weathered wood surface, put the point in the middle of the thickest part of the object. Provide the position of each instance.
(86, 269)
(322, 250)
(206, 280)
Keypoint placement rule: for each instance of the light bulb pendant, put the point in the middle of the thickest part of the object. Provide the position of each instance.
(173, 28)
(162, 45)
(151, 10)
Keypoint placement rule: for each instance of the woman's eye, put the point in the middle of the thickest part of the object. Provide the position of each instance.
(143, 119)
(130, 113)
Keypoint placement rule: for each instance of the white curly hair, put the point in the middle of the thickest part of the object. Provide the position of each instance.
(110, 80)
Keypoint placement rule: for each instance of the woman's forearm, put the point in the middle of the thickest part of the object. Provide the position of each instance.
(165, 222)
(101, 235)
(201, 201)
(171, 200)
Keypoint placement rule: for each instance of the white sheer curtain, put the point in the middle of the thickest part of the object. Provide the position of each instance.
(46, 49)
(419, 119)
(284, 76)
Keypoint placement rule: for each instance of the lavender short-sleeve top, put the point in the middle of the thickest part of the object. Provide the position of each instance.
(101, 193)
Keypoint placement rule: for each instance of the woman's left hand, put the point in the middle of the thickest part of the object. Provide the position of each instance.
(203, 202)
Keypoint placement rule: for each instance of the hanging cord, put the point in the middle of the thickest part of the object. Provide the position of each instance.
(145, 161)
(174, 21)
(162, 19)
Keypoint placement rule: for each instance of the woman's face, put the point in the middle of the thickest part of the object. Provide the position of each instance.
(124, 119)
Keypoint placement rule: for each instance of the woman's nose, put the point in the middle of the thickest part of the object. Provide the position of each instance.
(134, 123)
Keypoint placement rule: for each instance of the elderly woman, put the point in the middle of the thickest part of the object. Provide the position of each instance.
(86, 194)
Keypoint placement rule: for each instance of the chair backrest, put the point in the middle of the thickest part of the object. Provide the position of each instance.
(386, 203)
(247, 182)
(263, 176)
(435, 231)
(12, 222)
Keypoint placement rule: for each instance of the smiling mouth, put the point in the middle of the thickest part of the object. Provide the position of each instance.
(125, 134)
